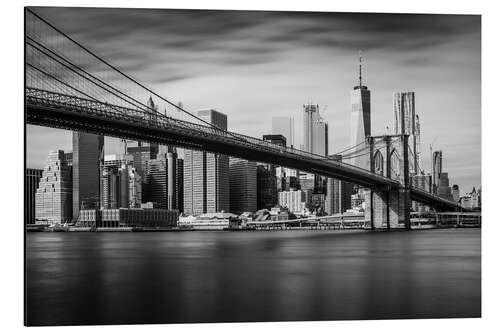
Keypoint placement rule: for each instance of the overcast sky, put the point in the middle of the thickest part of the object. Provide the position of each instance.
(255, 65)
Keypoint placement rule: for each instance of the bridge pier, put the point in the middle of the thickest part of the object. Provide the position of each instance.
(388, 208)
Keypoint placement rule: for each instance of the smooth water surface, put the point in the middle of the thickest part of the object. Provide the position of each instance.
(170, 277)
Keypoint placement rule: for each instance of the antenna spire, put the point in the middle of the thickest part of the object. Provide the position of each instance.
(360, 76)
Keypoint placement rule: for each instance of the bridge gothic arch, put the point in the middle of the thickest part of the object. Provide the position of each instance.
(395, 160)
(378, 158)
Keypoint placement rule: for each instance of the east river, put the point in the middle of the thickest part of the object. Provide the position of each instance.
(183, 277)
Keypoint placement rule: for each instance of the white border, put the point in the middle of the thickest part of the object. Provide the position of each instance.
(11, 311)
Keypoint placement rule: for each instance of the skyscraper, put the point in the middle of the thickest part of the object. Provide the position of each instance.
(243, 185)
(53, 197)
(87, 158)
(285, 127)
(406, 122)
(179, 181)
(437, 168)
(315, 131)
(172, 202)
(316, 142)
(206, 175)
(418, 150)
(30, 186)
(360, 119)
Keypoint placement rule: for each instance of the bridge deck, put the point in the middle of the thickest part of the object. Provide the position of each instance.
(74, 113)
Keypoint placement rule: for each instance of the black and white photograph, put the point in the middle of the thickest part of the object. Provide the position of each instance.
(188, 166)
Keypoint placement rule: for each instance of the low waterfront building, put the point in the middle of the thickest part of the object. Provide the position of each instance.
(471, 200)
(129, 217)
(207, 221)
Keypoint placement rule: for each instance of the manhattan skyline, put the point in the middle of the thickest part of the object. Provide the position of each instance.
(255, 65)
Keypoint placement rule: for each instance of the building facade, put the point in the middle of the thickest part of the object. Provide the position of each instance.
(243, 185)
(115, 181)
(172, 196)
(295, 201)
(157, 182)
(129, 218)
(437, 168)
(53, 198)
(179, 181)
(88, 154)
(267, 192)
(206, 175)
(30, 186)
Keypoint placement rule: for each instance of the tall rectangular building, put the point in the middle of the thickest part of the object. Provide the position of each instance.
(315, 131)
(30, 186)
(267, 191)
(88, 154)
(206, 175)
(179, 180)
(406, 122)
(158, 182)
(243, 185)
(53, 198)
(172, 196)
(437, 168)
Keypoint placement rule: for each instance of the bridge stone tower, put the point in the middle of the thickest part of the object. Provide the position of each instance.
(388, 207)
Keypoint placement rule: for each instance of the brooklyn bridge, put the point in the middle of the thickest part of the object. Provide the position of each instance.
(68, 86)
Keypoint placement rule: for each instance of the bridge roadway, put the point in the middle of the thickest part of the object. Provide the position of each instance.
(58, 110)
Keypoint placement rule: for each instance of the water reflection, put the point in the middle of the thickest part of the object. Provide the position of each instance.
(118, 278)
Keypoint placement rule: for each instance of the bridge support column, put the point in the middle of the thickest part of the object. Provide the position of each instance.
(385, 209)
(404, 208)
